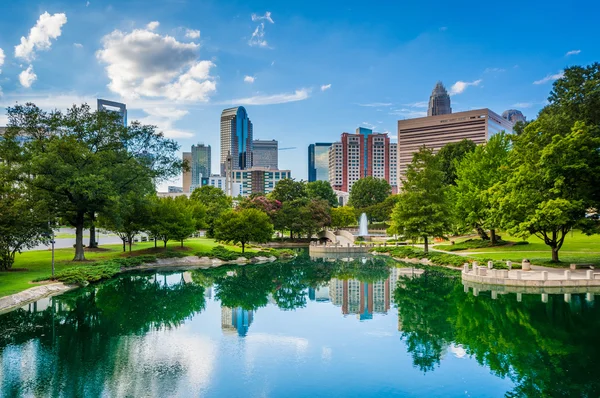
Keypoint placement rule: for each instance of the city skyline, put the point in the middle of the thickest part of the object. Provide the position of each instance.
(276, 61)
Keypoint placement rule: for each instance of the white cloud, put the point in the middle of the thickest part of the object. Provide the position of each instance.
(2, 57)
(550, 78)
(258, 37)
(419, 104)
(192, 34)
(47, 27)
(494, 70)
(78, 45)
(298, 95)
(460, 86)
(266, 17)
(249, 79)
(522, 105)
(408, 113)
(325, 87)
(369, 125)
(163, 118)
(27, 77)
(87, 4)
(153, 25)
(572, 52)
(376, 104)
(144, 63)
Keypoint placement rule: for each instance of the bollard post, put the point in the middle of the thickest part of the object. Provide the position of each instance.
(567, 297)
(466, 268)
(475, 264)
(509, 265)
(518, 275)
(490, 264)
(567, 275)
(544, 275)
(589, 274)
(544, 297)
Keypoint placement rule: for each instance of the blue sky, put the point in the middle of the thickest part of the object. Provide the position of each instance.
(305, 71)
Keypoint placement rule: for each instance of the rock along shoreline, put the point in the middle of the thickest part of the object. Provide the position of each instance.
(14, 301)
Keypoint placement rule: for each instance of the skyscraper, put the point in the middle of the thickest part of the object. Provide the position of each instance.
(265, 154)
(201, 159)
(318, 161)
(361, 155)
(121, 109)
(236, 139)
(439, 102)
(436, 131)
(187, 174)
(513, 115)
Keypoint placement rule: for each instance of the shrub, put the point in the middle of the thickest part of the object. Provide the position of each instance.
(85, 273)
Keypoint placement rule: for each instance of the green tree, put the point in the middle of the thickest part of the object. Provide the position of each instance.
(78, 161)
(172, 219)
(216, 203)
(369, 191)
(576, 96)
(422, 209)
(322, 190)
(127, 216)
(554, 180)
(342, 217)
(244, 226)
(477, 172)
(380, 212)
(303, 216)
(287, 190)
(452, 153)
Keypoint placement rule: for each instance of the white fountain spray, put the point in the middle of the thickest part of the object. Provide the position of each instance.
(362, 225)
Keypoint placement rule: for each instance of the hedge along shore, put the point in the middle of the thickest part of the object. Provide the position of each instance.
(17, 300)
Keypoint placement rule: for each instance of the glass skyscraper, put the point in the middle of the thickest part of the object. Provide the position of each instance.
(318, 162)
(265, 154)
(200, 166)
(236, 139)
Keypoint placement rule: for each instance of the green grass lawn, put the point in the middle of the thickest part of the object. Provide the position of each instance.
(38, 264)
(578, 248)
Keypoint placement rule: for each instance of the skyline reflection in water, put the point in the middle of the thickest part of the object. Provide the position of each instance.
(301, 328)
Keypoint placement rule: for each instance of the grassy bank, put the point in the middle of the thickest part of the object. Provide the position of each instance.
(36, 265)
(578, 248)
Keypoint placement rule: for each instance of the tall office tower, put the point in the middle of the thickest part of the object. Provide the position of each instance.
(200, 164)
(236, 139)
(265, 154)
(436, 131)
(513, 116)
(439, 102)
(394, 168)
(360, 155)
(121, 109)
(258, 179)
(318, 161)
(187, 174)
(336, 166)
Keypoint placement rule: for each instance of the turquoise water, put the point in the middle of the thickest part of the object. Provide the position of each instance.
(304, 328)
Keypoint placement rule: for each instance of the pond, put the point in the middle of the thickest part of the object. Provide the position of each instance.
(318, 328)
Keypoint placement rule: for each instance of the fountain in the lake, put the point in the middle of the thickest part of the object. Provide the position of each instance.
(362, 225)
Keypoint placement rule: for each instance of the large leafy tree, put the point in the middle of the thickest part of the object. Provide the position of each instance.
(216, 203)
(172, 219)
(322, 190)
(422, 209)
(287, 190)
(450, 154)
(555, 180)
(369, 191)
(477, 172)
(127, 216)
(77, 161)
(303, 216)
(576, 96)
(244, 226)
(342, 217)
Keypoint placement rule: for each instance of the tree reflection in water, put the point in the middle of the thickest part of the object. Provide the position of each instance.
(103, 339)
(547, 349)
